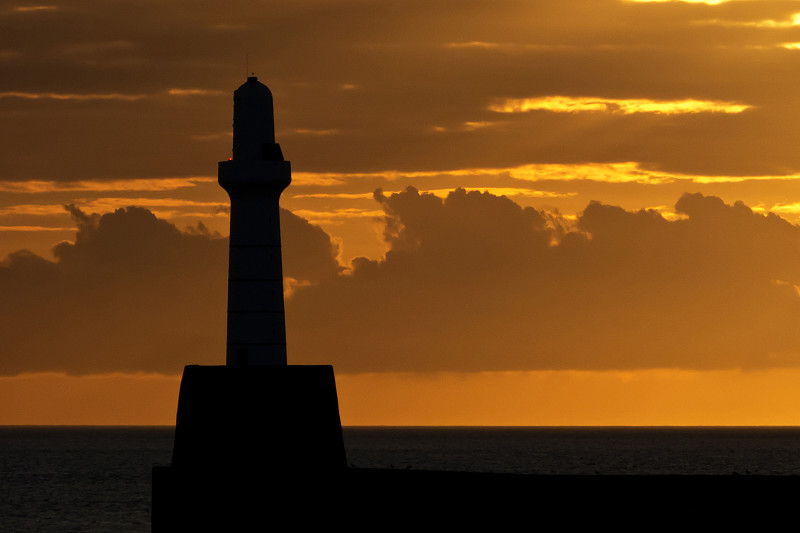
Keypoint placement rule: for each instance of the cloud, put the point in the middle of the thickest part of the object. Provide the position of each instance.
(497, 191)
(132, 292)
(32, 228)
(330, 216)
(469, 125)
(412, 73)
(34, 9)
(474, 44)
(107, 204)
(707, 2)
(212, 136)
(625, 106)
(72, 96)
(605, 172)
(307, 131)
(193, 92)
(793, 20)
(122, 97)
(138, 184)
(475, 282)
(32, 209)
(470, 282)
(111, 204)
(505, 47)
(790, 208)
(612, 172)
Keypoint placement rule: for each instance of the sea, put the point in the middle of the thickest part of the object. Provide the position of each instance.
(98, 479)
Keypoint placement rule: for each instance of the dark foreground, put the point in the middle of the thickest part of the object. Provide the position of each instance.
(262, 448)
(376, 499)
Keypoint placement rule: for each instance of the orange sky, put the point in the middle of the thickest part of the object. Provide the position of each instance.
(623, 249)
(577, 398)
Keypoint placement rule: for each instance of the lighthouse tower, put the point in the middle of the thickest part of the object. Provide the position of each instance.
(254, 178)
(255, 430)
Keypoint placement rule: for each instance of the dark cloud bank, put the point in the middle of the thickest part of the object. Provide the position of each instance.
(343, 67)
(471, 282)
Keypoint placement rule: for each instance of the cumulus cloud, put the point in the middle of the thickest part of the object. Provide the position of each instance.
(471, 281)
(132, 292)
(475, 282)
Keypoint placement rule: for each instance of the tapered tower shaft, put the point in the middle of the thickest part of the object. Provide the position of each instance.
(254, 178)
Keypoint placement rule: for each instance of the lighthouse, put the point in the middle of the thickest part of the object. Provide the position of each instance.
(254, 430)
(254, 179)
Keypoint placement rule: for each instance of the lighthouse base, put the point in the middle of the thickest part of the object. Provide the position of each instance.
(245, 436)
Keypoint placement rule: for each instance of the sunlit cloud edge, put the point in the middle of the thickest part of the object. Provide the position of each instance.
(97, 185)
(625, 106)
(617, 172)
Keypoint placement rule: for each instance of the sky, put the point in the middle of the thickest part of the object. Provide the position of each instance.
(502, 212)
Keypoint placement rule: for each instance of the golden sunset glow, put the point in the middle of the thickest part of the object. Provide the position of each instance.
(67, 96)
(474, 44)
(31, 9)
(793, 208)
(654, 398)
(567, 104)
(191, 92)
(547, 212)
(156, 184)
(33, 228)
(623, 172)
(330, 216)
(707, 2)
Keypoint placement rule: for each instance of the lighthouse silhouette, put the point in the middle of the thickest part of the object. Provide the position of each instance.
(254, 178)
(254, 418)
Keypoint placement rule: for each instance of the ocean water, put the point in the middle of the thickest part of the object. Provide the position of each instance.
(97, 479)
